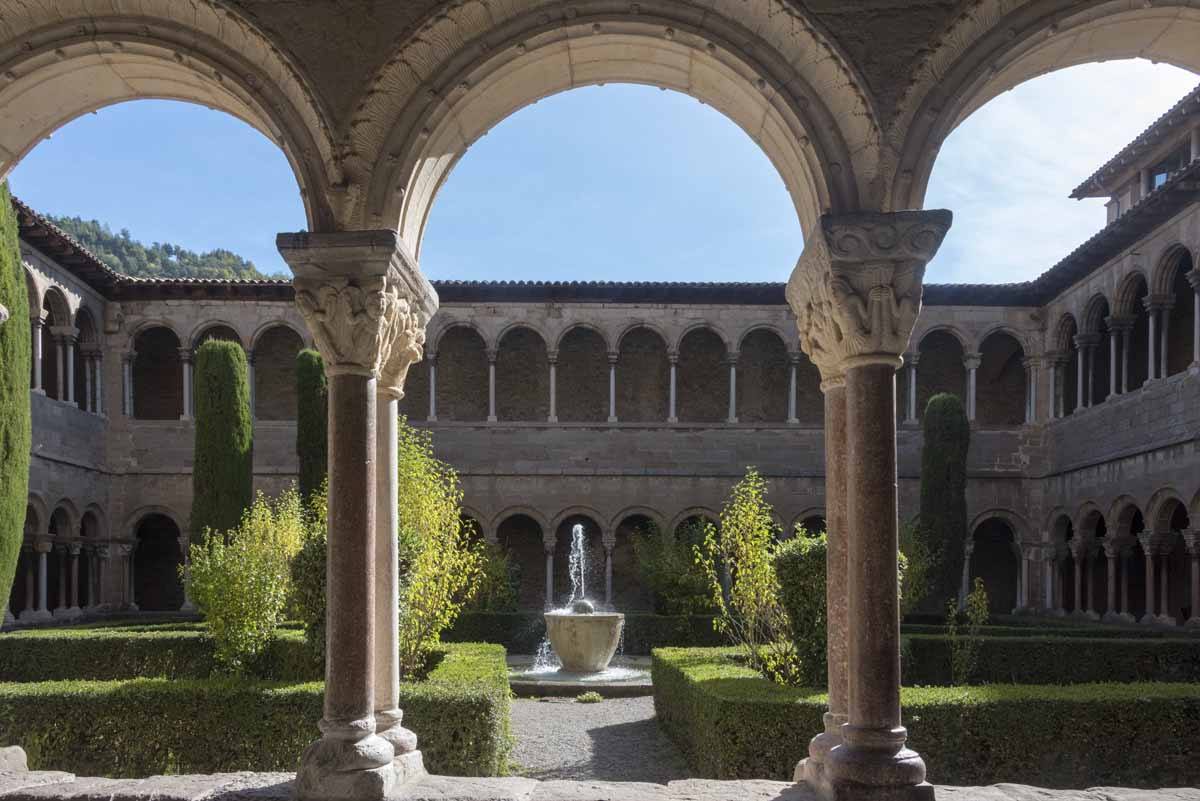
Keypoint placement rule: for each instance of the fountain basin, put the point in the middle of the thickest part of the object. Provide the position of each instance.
(584, 643)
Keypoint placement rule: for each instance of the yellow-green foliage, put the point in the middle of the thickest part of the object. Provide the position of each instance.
(241, 580)
(440, 563)
(964, 650)
(737, 559)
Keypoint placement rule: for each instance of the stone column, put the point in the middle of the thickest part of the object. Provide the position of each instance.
(1148, 546)
(612, 386)
(910, 411)
(103, 555)
(1078, 555)
(250, 382)
(129, 593)
(673, 358)
(1113, 345)
(1192, 539)
(1080, 380)
(73, 550)
(60, 344)
(127, 382)
(69, 356)
(189, 400)
(33, 611)
(1093, 553)
(432, 359)
(971, 361)
(1126, 552)
(1023, 594)
(1054, 394)
(1119, 328)
(1060, 609)
(36, 322)
(1165, 546)
(184, 543)
(793, 363)
(1151, 338)
(1193, 278)
(60, 605)
(609, 544)
(367, 305)
(1087, 345)
(1112, 551)
(856, 293)
(552, 358)
(42, 548)
(1165, 305)
(964, 580)
(548, 547)
(1031, 368)
(731, 359)
(491, 357)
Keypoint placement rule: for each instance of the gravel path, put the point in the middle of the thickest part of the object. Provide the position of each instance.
(617, 739)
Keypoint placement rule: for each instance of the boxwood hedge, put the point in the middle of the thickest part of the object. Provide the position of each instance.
(141, 727)
(731, 723)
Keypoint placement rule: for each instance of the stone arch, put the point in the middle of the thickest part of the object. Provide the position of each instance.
(93, 525)
(1125, 515)
(534, 514)
(810, 400)
(1096, 318)
(1000, 381)
(996, 559)
(156, 559)
(579, 510)
(692, 513)
(214, 329)
(270, 325)
(702, 376)
(1172, 279)
(763, 375)
(586, 325)
(522, 375)
(629, 592)
(56, 316)
(89, 54)
(652, 515)
(32, 289)
(1175, 258)
(940, 366)
(1001, 45)
(593, 553)
(35, 504)
(1094, 313)
(1090, 522)
(465, 71)
(1065, 347)
(1162, 508)
(581, 379)
(275, 351)
(668, 342)
(643, 376)
(88, 345)
(522, 537)
(812, 519)
(157, 374)
(1126, 300)
(462, 376)
(64, 520)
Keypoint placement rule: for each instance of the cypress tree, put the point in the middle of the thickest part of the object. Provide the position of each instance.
(15, 434)
(312, 397)
(943, 521)
(223, 473)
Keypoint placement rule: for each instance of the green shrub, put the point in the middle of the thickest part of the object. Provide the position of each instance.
(731, 723)
(309, 574)
(914, 571)
(964, 650)
(736, 558)
(242, 580)
(590, 697)
(499, 578)
(15, 433)
(942, 529)
(801, 568)
(143, 727)
(312, 404)
(667, 568)
(223, 465)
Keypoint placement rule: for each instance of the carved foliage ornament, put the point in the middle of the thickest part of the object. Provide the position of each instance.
(856, 290)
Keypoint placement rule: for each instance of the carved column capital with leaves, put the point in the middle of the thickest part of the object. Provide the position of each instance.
(364, 300)
(856, 290)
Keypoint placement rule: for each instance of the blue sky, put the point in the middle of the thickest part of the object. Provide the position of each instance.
(614, 183)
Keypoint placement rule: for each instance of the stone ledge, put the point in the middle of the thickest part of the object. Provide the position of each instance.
(56, 786)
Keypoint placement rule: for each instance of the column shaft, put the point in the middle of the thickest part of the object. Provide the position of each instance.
(1053, 391)
(1164, 574)
(1079, 605)
(1149, 562)
(30, 584)
(62, 583)
(42, 580)
(911, 411)
(492, 390)
(608, 575)
(127, 385)
(1080, 358)
(1196, 325)
(1124, 584)
(60, 368)
(791, 418)
(70, 365)
(36, 336)
(1125, 335)
(732, 418)
(74, 579)
(1111, 604)
(188, 395)
(1112, 363)
(1151, 362)
(549, 576)
(1164, 339)
(432, 391)
(553, 418)
(612, 389)
(672, 417)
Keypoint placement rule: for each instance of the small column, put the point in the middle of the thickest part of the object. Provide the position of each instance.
(793, 364)
(1114, 341)
(432, 389)
(731, 359)
(1026, 557)
(1080, 358)
(1048, 570)
(1147, 543)
(30, 581)
(185, 550)
(609, 545)
(1192, 539)
(35, 584)
(552, 358)
(548, 547)
(1078, 557)
(1060, 557)
(73, 551)
(250, 382)
(1119, 328)
(964, 580)
(189, 400)
(971, 361)
(1112, 552)
(60, 342)
(69, 350)
(1151, 339)
(673, 359)
(1164, 579)
(1054, 393)
(612, 386)
(128, 593)
(1126, 552)
(1030, 383)
(127, 382)
(491, 357)
(89, 568)
(36, 322)
(1195, 144)
(910, 411)
(43, 549)
(1092, 553)
(1164, 332)
(1193, 278)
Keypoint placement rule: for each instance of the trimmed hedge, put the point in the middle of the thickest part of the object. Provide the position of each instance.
(943, 517)
(15, 432)
(143, 727)
(731, 723)
(223, 464)
(523, 632)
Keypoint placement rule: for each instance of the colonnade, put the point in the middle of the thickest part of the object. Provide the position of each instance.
(971, 363)
(66, 340)
(91, 560)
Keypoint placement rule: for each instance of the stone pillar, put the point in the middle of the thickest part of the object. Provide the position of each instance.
(69, 351)
(1126, 552)
(548, 547)
(367, 306)
(1164, 333)
(1093, 552)
(1195, 144)
(35, 584)
(673, 358)
(1078, 556)
(1113, 345)
(793, 363)
(856, 293)
(189, 396)
(128, 593)
(1031, 372)
(36, 322)
(432, 389)
(612, 386)
(127, 382)
(1023, 593)
(1147, 542)
(1193, 278)
(1112, 551)
(42, 549)
(250, 381)
(1081, 357)
(491, 357)
(1192, 539)
(1060, 609)
(964, 580)
(1087, 344)
(103, 555)
(1119, 328)
(910, 412)
(60, 604)
(1054, 393)
(971, 361)
(609, 544)
(185, 552)
(60, 344)
(73, 551)
(552, 357)
(1165, 542)
(731, 359)
(1151, 339)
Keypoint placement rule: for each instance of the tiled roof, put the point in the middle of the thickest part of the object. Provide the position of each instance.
(1160, 129)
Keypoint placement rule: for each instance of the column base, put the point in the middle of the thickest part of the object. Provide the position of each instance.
(1056, 613)
(35, 616)
(1166, 620)
(1118, 617)
(864, 774)
(1085, 614)
(672, 420)
(1148, 619)
(612, 419)
(187, 606)
(812, 768)
(1193, 622)
(333, 769)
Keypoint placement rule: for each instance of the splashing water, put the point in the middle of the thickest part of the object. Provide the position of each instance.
(577, 565)
(545, 661)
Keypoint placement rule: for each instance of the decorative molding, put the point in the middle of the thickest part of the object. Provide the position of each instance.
(856, 290)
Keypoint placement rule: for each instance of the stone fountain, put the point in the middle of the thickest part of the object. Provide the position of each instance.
(583, 639)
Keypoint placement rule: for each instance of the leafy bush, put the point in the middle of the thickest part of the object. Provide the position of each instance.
(499, 578)
(667, 568)
(241, 579)
(461, 711)
(748, 609)
(943, 519)
(223, 469)
(731, 723)
(309, 574)
(914, 570)
(312, 404)
(15, 432)
(801, 569)
(590, 697)
(964, 651)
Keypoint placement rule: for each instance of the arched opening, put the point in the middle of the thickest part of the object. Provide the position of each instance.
(56, 321)
(1130, 306)
(1097, 349)
(1000, 382)
(1064, 579)
(940, 368)
(1132, 565)
(415, 403)
(1177, 570)
(157, 375)
(813, 524)
(1067, 367)
(810, 400)
(592, 566)
(1094, 531)
(629, 591)
(520, 536)
(87, 362)
(275, 373)
(156, 561)
(995, 558)
(581, 380)
(522, 377)
(643, 377)
(90, 533)
(1179, 328)
(217, 331)
(702, 378)
(762, 378)
(462, 376)
(57, 575)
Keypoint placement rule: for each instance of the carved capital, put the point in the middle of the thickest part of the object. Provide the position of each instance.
(364, 299)
(971, 361)
(1193, 278)
(856, 290)
(1191, 539)
(1120, 323)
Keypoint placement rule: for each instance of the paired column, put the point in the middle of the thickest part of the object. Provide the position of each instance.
(552, 358)
(432, 359)
(1119, 330)
(1149, 546)
(793, 363)
(548, 547)
(673, 358)
(731, 359)
(609, 544)
(36, 323)
(367, 305)
(856, 293)
(971, 361)
(189, 399)
(127, 382)
(1031, 366)
(910, 367)
(491, 357)
(612, 386)
(1152, 316)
